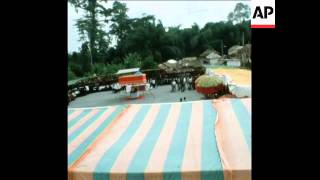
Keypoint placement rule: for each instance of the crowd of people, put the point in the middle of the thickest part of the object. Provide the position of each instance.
(182, 83)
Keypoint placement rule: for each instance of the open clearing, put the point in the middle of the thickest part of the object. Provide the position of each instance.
(239, 76)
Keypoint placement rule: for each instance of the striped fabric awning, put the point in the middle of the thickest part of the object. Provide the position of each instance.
(188, 140)
(133, 79)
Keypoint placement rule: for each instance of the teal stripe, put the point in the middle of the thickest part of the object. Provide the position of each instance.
(85, 125)
(78, 118)
(70, 112)
(244, 119)
(175, 155)
(90, 139)
(106, 162)
(142, 156)
(211, 167)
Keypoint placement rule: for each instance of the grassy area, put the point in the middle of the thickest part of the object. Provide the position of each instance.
(239, 76)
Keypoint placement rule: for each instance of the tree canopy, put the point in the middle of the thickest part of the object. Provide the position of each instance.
(145, 42)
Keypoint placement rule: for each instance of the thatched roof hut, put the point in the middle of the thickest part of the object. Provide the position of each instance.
(207, 52)
(243, 53)
(210, 56)
(234, 50)
(187, 64)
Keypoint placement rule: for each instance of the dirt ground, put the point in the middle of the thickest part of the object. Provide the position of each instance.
(239, 76)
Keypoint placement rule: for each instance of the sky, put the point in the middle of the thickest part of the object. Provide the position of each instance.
(171, 13)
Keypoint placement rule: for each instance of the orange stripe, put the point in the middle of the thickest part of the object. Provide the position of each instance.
(132, 79)
(247, 104)
(82, 121)
(120, 166)
(158, 156)
(92, 127)
(234, 152)
(132, 76)
(74, 114)
(227, 172)
(96, 142)
(191, 165)
(131, 82)
(107, 140)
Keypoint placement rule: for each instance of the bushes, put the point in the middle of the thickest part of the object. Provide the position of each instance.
(148, 63)
(113, 68)
(102, 69)
(71, 75)
(132, 60)
(247, 65)
(211, 86)
(76, 69)
(208, 81)
(98, 69)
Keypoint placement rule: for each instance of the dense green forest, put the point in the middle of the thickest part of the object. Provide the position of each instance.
(145, 42)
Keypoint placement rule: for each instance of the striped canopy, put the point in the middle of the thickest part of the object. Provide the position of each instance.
(133, 79)
(188, 140)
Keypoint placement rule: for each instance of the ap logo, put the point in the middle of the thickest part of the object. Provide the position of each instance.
(263, 14)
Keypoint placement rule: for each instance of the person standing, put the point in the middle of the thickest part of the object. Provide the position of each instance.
(154, 83)
(173, 86)
(184, 81)
(190, 83)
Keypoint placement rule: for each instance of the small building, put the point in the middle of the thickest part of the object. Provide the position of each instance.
(234, 50)
(213, 58)
(168, 67)
(233, 62)
(192, 62)
(172, 68)
(189, 59)
(243, 53)
(210, 56)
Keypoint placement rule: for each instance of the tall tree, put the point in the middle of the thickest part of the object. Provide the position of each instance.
(85, 58)
(120, 25)
(90, 27)
(120, 20)
(144, 42)
(240, 13)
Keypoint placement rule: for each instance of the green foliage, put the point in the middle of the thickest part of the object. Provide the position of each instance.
(91, 28)
(113, 68)
(101, 69)
(98, 69)
(120, 21)
(240, 13)
(144, 42)
(85, 58)
(132, 60)
(157, 57)
(71, 75)
(76, 69)
(209, 81)
(148, 63)
(88, 74)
